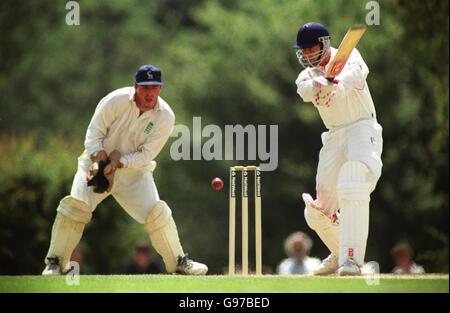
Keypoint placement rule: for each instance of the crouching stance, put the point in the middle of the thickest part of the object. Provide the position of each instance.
(350, 159)
(129, 128)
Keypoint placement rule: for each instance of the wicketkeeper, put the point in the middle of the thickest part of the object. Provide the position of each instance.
(129, 128)
(350, 159)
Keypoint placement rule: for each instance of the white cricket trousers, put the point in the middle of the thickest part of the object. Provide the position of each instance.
(361, 141)
(134, 190)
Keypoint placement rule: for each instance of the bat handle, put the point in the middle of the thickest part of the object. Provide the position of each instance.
(332, 80)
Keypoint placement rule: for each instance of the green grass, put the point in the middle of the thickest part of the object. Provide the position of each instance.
(266, 283)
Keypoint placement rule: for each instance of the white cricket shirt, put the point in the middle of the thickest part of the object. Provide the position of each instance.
(116, 124)
(352, 102)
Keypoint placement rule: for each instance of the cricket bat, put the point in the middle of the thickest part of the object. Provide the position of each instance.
(349, 42)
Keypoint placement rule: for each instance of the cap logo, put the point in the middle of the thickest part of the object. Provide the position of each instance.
(149, 75)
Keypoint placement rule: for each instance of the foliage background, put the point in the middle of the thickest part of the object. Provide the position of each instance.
(228, 62)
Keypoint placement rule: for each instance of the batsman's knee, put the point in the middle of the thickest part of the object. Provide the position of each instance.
(75, 210)
(355, 181)
(315, 219)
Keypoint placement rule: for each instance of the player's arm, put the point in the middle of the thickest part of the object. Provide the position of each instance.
(305, 86)
(353, 75)
(152, 146)
(101, 121)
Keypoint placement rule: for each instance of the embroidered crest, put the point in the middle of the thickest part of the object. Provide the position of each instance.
(148, 128)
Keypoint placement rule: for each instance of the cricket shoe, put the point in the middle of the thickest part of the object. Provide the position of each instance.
(53, 267)
(349, 268)
(328, 266)
(188, 267)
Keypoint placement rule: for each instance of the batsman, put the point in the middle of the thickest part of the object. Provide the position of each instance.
(350, 158)
(128, 130)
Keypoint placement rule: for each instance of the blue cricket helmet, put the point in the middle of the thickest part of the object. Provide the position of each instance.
(310, 35)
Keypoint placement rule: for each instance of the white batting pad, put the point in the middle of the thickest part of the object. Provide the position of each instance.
(67, 229)
(354, 189)
(322, 225)
(164, 235)
(74, 209)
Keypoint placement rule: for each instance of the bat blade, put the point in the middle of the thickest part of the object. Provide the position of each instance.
(349, 42)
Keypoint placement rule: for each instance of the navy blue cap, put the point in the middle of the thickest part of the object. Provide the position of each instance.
(148, 75)
(309, 35)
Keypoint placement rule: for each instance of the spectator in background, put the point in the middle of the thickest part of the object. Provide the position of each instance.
(142, 261)
(402, 254)
(297, 246)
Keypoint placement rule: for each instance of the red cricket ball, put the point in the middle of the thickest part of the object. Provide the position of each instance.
(217, 183)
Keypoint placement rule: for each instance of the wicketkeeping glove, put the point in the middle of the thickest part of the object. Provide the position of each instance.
(99, 180)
